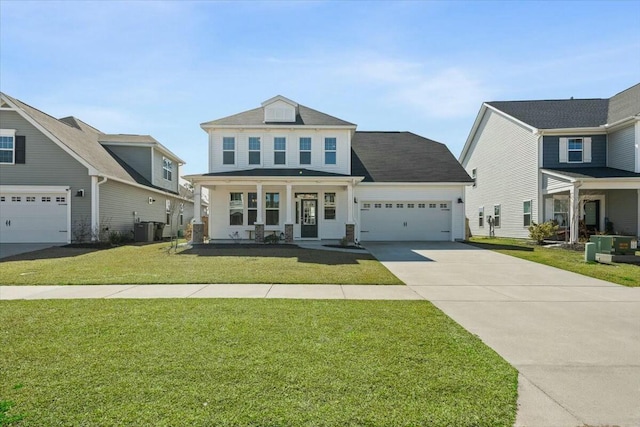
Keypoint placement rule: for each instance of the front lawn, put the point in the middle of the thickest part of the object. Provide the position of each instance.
(248, 363)
(566, 259)
(229, 264)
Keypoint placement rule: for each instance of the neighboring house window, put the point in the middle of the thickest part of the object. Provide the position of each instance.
(252, 208)
(474, 175)
(236, 209)
(7, 146)
(167, 169)
(254, 150)
(329, 205)
(272, 209)
(329, 151)
(181, 218)
(561, 212)
(481, 216)
(574, 150)
(279, 150)
(526, 212)
(228, 150)
(167, 206)
(496, 215)
(305, 151)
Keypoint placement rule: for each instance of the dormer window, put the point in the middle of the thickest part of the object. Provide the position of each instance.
(280, 110)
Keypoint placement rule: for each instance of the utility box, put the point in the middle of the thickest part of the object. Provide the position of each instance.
(143, 231)
(615, 245)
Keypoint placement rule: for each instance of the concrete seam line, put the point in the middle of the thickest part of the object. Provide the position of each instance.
(551, 398)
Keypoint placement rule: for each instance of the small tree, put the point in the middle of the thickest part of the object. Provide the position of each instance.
(175, 206)
(539, 232)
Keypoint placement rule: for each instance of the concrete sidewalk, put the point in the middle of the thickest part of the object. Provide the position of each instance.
(210, 291)
(575, 340)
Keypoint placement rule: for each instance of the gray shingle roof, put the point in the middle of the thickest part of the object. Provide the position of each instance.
(557, 114)
(403, 157)
(624, 104)
(306, 117)
(581, 173)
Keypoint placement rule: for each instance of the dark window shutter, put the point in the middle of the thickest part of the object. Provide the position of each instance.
(20, 149)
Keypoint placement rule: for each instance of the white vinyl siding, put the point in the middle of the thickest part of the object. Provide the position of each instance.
(505, 154)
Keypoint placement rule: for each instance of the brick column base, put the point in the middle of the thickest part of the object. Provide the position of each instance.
(350, 232)
(198, 233)
(288, 233)
(259, 233)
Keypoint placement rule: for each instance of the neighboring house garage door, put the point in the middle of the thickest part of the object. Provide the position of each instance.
(33, 216)
(405, 220)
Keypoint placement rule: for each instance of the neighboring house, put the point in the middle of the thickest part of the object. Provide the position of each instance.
(574, 161)
(286, 169)
(62, 180)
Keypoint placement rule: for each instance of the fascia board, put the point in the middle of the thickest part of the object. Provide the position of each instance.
(573, 131)
(207, 127)
(92, 170)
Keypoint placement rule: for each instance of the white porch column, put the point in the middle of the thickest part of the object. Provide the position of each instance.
(197, 203)
(289, 205)
(574, 213)
(260, 197)
(350, 203)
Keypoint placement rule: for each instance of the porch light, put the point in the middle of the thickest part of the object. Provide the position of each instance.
(460, 200)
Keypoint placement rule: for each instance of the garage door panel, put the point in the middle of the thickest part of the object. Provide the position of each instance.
(33, 218)
(405, 220)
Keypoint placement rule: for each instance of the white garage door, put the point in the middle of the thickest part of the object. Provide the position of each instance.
(405, 220)
(33, 217)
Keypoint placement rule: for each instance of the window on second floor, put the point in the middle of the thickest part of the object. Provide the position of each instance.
(305, 151)
(574, 150)
(330, 151)
(279, 150)
(228, 150)
(254, 150)
(474, 176)
(167, 169)
(6, 149)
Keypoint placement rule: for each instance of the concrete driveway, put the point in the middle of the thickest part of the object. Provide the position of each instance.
(574, 340)
(10, 249)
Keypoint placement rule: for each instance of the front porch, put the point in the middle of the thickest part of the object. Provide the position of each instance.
(288, 209)
(583, 205)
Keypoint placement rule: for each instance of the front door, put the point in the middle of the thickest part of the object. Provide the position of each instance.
(592, 215)
(308, 222)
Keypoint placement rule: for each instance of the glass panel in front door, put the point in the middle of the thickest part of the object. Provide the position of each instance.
(308, 212)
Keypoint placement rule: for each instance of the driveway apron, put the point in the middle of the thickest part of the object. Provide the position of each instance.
(575, 340)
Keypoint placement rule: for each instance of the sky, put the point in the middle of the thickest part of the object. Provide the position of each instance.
(164, 67)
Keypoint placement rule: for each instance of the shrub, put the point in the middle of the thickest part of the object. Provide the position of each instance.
(539, 232)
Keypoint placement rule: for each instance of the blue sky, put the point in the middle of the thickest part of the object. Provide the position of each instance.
(163, 67)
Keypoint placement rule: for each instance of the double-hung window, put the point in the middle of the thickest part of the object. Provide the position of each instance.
(481, 216)
(252, 208)
(330, 151)
(228, 150)
(329, 205)
(305, 151)
(272, 209)
(7, 146)
(254, 150)
(526, 213)
(496, 215)
(279, 150)
(561, 211)
(236, 209)
(574, 150)
(167, 169)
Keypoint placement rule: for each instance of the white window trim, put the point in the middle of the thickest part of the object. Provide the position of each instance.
(167, 168)
(280, 151)
(310, 151)
(499, 216)
(12, 134)
(581, 150)
(249, 151)
(235, 149)
(481, 210)
(325, 151)
(335, 206)
(530, 212)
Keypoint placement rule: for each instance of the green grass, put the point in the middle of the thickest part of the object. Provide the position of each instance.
(153, 264)
(566, 259)
(248, 363)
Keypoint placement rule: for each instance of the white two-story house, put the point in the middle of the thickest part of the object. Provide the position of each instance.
(289, 170)
(573, 161)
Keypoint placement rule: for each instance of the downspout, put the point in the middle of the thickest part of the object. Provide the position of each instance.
(95, 205)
